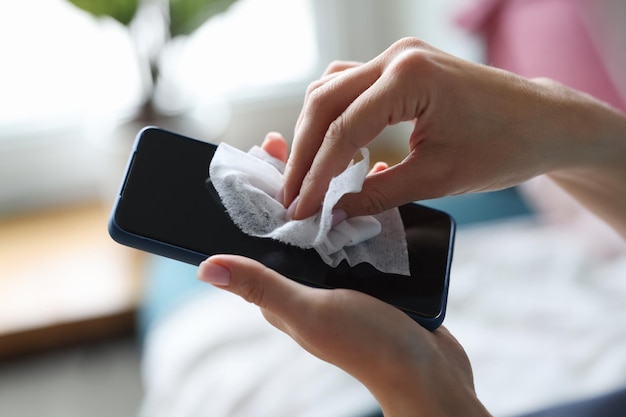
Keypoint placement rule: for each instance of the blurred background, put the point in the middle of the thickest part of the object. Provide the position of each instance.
(79, 79)
(76, 84)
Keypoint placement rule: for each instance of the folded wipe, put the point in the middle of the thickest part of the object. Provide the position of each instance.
(247, 184)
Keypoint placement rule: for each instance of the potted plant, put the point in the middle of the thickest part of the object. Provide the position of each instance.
(152, 26)
(167, 20)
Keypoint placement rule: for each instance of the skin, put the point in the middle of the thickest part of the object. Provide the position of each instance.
(476, 128)
(410, 371)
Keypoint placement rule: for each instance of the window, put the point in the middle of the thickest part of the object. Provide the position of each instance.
(66, 75)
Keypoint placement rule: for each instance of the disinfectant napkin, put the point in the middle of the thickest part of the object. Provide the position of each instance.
(248, 183)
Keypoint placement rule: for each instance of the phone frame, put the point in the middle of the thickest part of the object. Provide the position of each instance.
(161, 248)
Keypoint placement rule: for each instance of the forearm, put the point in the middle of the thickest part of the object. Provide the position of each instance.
(601, 193)
(590, 156)
(410, 406)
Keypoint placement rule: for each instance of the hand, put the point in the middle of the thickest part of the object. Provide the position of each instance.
(410, 371)
(476, 128)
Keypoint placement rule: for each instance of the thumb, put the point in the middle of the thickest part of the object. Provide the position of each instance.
(383, 190)
(312, 317)
(343, 327)
(276, 295)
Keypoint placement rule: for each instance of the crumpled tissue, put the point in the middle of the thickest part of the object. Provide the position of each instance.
(248, 183)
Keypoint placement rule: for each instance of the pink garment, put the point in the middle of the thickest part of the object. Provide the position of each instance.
(580, 43)
(566, 40)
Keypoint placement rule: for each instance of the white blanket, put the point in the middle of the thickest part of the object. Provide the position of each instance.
(540, 311)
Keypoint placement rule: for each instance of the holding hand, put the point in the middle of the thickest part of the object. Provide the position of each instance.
(411, 371)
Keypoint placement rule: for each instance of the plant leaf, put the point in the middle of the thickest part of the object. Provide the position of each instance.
(187, 15)
(121, 10)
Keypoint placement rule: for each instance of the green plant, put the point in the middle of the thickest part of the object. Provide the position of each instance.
(178, 17)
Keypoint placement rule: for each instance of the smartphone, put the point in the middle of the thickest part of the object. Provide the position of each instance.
(167, 206)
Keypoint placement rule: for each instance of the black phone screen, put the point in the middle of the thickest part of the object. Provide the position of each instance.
(165, 207)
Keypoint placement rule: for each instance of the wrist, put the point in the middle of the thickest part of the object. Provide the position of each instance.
(582, 132)
(446, 393)
(450, 406)
(587, 152)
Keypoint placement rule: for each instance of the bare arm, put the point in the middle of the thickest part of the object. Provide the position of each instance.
(476, 129)
(595, 170)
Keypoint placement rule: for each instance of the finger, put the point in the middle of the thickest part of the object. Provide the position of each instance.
(303, 313)
(277, 296)
(408, 181)
(275, 145)
(378, 167)
(363, 120)
(322, 106)
(326, 77)
(331, 72)
(343, 327)
(338, 66)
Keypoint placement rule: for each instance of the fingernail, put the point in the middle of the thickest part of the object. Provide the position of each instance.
(292, 209)
(214, 274)
(338, 215)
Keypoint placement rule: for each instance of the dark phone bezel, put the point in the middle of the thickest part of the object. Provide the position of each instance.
(274, 254)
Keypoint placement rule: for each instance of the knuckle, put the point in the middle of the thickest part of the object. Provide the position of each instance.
(406, 45)
(315, 101)
(412, 63)
(252, 291)
(336, 136)
(316, 98)
(335, 129)
(337, 66)
(369, 204)
(544, 81)
(409, 43)
(313, 86)
(377, 202)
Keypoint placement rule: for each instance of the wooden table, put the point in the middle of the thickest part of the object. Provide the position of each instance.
(63, 280)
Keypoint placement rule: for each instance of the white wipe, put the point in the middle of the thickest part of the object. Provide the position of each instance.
(248, 183)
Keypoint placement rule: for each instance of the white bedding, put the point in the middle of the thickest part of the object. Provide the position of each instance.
(540, 310)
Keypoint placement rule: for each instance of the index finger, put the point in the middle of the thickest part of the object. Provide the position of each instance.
(383, 103)
(323, 104)
(331, 72)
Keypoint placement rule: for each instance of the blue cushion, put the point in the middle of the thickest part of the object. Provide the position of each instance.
(168, 284)
(480, 207)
